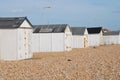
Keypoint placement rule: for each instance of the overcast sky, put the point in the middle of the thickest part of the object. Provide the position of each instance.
(78, 13)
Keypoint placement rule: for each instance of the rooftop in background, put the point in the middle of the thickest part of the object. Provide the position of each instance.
(112, 33)
(94, 30)
(105, 30)
(11, 22)
(78, 30)
(51, 28)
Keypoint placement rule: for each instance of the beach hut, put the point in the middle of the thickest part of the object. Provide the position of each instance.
(15, 38)
(52, 38)
(112, 37)
(95, 36)
(79, 37)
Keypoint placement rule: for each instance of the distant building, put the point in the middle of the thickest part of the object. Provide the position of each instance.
(105, 30)
(52, 38)
(112, 37)
(95, 36)
(79, 37)
(15, 38)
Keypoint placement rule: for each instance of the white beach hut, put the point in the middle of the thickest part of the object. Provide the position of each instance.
(112, 37)
(15, 38)
(95, 36)
(79, 37)
(52, 38)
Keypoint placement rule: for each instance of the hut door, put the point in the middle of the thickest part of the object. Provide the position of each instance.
(23, 43)
(85, 42)
(26, 43)
(29, 42)
(68, 42)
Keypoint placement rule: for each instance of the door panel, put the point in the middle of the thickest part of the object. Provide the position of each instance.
(21, 53)
(27, 42)
(23, 50)
(68, 42)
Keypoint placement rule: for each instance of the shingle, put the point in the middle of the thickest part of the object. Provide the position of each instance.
(51, 28)
(111, 33)
(78, 30)
(94, 30)
(11, 22)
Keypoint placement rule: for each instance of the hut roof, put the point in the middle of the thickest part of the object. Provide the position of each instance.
(111, 33)
(12, 22)
(94, 30)
(51, 28)
(78, 30)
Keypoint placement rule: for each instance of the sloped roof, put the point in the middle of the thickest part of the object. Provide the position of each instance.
(51, 28)
(12, 22)
(78, 30)
(111, 33)
(94, 30)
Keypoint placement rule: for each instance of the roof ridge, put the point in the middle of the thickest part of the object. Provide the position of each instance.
(49, 24)
(12, 22)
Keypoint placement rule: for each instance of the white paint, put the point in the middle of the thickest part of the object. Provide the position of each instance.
(25, 24)
(58, 43)
(101, 38)
(86, 32)
(52, 42)
(93, 40)
(8, 44)
(15, 44)
(68, 39)
(67, 30)
(68, 42)
(111, 39)
(24, 43)
(80, 41)
(45, 42)
(48, 42)
(77, 41)
(35, 42)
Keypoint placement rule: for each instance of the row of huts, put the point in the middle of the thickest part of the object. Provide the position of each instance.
(19, 38)
(61, 37)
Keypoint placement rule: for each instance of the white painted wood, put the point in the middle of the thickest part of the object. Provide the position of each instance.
(80, 41)
(101, 38)
(29, 40)
(35, 42)
(68, 39)
(93, 40)
(86, 32)
(8, 44)
(68, 44)
(48, 42)
(111, 39)
(21, 51)
(25, 24)
(45, 42)
(77, 41)
(58, 42)
(24, 43)
(52, 42)
(15, 44)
